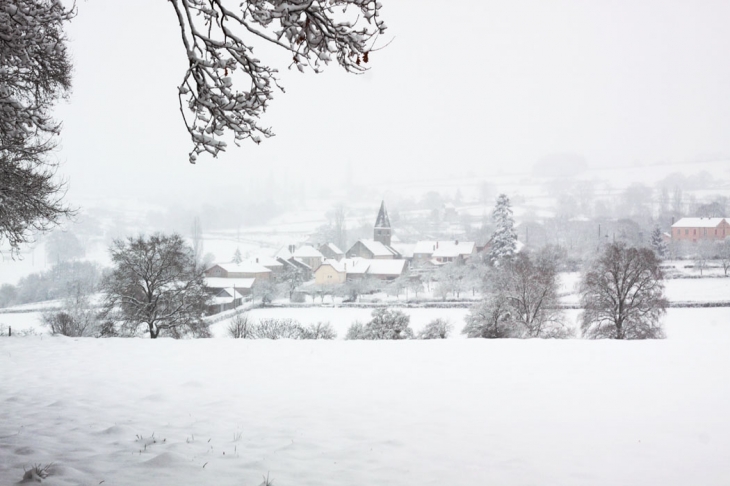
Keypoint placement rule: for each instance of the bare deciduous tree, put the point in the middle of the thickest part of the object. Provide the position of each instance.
(622, 294)
(521, 301)
(219, 38)
(155, 282)
(723, 251)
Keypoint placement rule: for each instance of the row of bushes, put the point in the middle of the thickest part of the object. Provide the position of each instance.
(243, 327)
(385, 324)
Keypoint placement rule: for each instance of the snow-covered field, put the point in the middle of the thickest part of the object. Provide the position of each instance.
(457, 412)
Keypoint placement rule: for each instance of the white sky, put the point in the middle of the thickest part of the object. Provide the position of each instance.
(478, 86)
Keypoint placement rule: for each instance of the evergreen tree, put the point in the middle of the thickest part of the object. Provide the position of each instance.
(504, 239)
(658, 244)
(237, 258)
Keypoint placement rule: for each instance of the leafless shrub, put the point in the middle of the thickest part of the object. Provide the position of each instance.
(241, 327)
(271, 328)
(320, 330)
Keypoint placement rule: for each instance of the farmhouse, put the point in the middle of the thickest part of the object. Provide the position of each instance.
(699, 229)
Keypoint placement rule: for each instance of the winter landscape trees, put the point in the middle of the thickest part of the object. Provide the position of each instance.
(219, 37)
(155, 282)
(35, 71)
(504, 240)
(224, 91)
(521, 300)
(622, 294)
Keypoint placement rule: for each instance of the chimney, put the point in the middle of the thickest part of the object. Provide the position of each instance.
(456, 242)
(437, 244)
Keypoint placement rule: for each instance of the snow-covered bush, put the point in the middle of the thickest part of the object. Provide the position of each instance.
(356, 331)
(489, 319)
(271, 328)
(320, 330)
(385, 324)
(436, 329)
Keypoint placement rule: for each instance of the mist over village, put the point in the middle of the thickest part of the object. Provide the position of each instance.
(359, 242)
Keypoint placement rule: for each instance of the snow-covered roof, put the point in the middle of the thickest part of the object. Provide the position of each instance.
(266, 261)
(451, 248)
(356, 265)
(386, 267)
(377, 248)
(225, 296)
(243, 267)
(224, 283)
(334, 249)
(405, 249)
(698, 223)
(360, 266)
(307, 251)
(339, 266)
(284, 254)
(426, 247)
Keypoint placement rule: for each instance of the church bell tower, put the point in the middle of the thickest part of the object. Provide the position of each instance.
(382, 231)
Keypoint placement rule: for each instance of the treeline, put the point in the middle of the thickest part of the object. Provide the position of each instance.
(62, 281)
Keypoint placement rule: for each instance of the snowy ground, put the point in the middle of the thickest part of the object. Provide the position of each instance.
(457, 412)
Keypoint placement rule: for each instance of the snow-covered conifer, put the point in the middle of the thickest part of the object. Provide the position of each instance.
(658, 244)
(504, 239)
(237, 258)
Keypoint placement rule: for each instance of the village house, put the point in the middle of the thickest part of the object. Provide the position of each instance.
(331, 251)
(248, 269)
(338, 272)
(441, 252)
(225, 299)
(308, 255)
(271, 263)
(241, 285)
(331, 272)
(698, 229)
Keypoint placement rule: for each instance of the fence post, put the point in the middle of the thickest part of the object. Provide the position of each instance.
(10, 331)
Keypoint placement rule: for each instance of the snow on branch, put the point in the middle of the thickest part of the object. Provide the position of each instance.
(218, 36)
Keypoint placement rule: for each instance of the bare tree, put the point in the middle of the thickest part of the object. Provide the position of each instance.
(155, 282)
(338, 224)
(219, 37)
(622, 294)
(35, 72)
(197, 237)
(723, 252)
(704, 251)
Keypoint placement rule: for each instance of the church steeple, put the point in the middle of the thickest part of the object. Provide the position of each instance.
(382, 230)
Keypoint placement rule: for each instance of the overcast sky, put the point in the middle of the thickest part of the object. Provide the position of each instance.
(464, 86)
